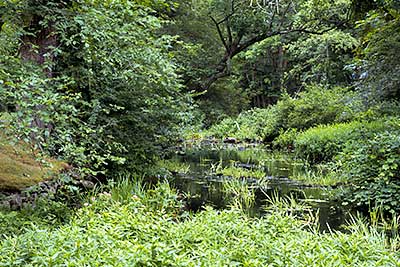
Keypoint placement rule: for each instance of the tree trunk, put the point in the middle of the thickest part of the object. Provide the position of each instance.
(37, 44)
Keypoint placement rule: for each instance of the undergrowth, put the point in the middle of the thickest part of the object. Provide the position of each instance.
(148, 228)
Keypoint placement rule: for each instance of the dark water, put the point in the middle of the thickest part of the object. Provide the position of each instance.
(205, 188)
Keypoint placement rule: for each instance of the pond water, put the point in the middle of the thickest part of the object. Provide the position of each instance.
(205, 187)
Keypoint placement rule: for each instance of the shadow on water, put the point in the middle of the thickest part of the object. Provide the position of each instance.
(205, 188)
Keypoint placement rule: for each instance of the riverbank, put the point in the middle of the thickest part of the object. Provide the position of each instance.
(151, 228)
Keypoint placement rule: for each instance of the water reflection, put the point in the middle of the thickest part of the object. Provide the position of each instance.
(203, 187)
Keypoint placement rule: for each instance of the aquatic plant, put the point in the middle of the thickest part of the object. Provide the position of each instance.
(319, 174)
(239, 194)
(237, 172)
(174, 166)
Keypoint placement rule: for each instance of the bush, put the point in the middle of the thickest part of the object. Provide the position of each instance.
(225, 99)
(256, 124)
(372, 169)
(378, 110)
(317, 105)
(323, 142)
(286, 139)
(45, 214)
(302, 112)
(111, 95)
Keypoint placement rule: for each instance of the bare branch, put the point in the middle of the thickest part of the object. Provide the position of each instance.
(212, 79)
(220, 33)
(228, 29)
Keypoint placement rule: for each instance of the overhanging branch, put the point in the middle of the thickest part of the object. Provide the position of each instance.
(235, 47)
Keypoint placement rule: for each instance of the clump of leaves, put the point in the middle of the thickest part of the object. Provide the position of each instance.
(305, 110)
(372, 168)
(255, 124)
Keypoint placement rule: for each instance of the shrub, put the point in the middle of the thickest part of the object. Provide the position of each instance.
(323, 142)
(256, 124)
(302, 112)
(107, 94)
(378, 110)
(372, 169)
(286, 139)
(45, 213)
(317, 105)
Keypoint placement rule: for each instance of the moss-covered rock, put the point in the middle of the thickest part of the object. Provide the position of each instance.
(19, 167)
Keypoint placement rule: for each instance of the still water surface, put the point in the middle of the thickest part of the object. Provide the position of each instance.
(206, 188)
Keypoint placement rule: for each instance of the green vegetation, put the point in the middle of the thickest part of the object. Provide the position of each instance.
(47, 214)
(257, 125)
(237, 172)
(291, 113)
(174, 166)
(372, 168)
(239, 194)
(323, 142)
(101, 92)
(94, 92)
(109, 232)
(319, 175)
(332, 134)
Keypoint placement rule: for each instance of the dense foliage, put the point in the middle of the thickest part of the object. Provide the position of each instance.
(371, 166)
(292, 112)
(324, 142)
(100, 89)
(147, 229)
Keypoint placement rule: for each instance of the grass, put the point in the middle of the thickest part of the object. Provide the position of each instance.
(19, 167)
(286, 163)
(174, 166)
(237, 172)
(315, 178)
(266, 162)
(320, 174)
(239, 194)
(151, 230)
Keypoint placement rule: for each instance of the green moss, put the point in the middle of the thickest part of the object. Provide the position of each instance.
(19, 168)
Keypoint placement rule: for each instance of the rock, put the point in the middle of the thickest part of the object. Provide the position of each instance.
(87, 184)
(15, 202)
(230, 140)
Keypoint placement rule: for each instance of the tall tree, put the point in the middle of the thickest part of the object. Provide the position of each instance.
(100, 73)
(241, 24)
(377, 62)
